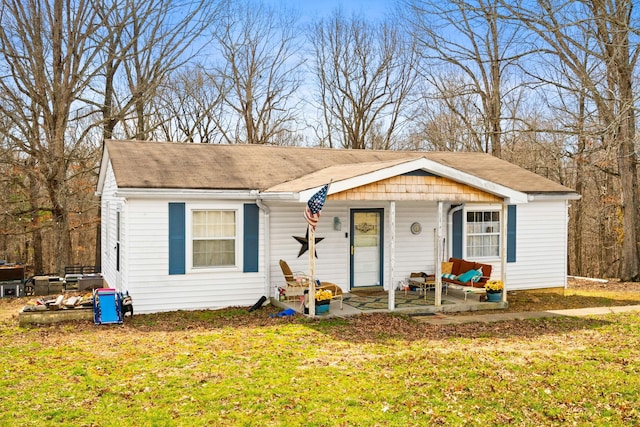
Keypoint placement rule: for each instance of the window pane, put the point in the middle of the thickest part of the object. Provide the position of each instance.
(199, 230)
(207, 253)
(214, 238)
(199, 218)
(483, 234)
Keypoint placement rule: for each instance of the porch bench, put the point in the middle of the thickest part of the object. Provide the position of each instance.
(461, 279)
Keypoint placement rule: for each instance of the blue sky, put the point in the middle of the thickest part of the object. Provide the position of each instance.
(372, 9)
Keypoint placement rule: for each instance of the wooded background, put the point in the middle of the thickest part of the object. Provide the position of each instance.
(549, 85)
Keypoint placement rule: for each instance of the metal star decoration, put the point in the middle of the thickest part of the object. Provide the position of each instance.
(304, 241)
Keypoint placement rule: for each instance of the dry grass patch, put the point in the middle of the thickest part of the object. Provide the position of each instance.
(580, 293)
(231, 367)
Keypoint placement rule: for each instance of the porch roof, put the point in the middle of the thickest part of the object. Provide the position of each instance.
(278, 169)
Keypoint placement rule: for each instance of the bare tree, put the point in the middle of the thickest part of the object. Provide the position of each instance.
(365, 73)
(191, 106)
(468, 38)
(258, 72)
(48, 57)
(145, 43)
(607, 82)
(447, 123)
(63, 63)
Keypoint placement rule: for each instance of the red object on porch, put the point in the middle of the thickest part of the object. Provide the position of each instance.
(461, 266)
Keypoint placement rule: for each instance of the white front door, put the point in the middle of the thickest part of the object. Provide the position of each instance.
(366, 247)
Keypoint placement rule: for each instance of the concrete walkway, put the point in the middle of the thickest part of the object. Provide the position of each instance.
(442, 319)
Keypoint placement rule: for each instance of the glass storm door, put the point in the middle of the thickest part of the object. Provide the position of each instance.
(366, 247)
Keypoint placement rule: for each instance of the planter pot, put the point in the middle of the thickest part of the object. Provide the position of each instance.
(322, 306)
(494, 296)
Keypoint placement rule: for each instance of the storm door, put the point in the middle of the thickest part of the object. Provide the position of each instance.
(367, 231)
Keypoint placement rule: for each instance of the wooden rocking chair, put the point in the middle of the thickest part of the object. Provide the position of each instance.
(296, 288)
(296, 284)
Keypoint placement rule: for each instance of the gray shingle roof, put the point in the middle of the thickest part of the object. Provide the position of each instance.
(142, 164)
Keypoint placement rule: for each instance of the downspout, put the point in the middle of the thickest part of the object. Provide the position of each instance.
(267, 241)
(437, 238)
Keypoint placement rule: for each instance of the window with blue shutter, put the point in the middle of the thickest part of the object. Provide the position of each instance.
(177, 243)
(483, 234)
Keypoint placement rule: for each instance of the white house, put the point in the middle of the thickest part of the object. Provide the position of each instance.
(194, 226)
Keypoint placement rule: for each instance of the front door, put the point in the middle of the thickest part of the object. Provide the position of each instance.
(367, 231)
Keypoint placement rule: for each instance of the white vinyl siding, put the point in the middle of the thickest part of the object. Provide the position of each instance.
(147, 274)
(541, 246)
(110, 204)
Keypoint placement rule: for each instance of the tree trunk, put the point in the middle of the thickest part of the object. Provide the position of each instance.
(627, 165)
(622, 71)
(36, 224)
(578, 268)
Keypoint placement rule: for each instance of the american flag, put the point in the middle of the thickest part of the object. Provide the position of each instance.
(314, 206)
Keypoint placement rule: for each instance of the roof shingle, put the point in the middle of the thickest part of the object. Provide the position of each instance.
(142, 164)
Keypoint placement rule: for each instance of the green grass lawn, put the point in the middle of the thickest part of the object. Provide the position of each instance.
(233, 368)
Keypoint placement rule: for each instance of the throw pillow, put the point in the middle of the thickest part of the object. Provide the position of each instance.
(466, 266)
(467, 276)
(447, 267)
(478, 275)
(449, 276)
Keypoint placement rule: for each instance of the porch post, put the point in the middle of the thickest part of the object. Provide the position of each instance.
(438, 255)
(312, 271)
(503, 249)
(392, 256)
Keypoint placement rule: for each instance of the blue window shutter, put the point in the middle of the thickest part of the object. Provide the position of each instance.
(177, 239)
(511, 233)
(251, 239)
(456, 235)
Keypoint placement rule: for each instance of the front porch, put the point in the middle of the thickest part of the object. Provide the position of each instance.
(383, 233)
(376, 299)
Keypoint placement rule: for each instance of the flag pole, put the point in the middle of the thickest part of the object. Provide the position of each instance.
(312, 271)
(312, 215)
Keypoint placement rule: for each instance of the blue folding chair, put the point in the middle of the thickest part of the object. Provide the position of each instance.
(106, 306)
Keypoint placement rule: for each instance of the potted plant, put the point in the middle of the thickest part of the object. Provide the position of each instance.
(323, 299)
(494, 290)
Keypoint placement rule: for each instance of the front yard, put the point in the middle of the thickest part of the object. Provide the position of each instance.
(231, 367)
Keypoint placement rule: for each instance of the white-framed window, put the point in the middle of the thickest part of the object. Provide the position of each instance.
(483, 233)
(214, 238)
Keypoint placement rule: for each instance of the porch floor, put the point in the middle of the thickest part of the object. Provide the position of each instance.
(411, 302)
